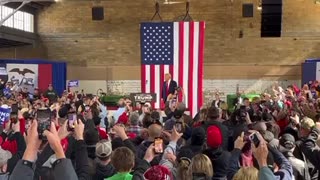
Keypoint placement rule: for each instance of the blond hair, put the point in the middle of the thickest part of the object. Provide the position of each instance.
(307, 123)
(183, 169)
(246, 173)
(200, 163)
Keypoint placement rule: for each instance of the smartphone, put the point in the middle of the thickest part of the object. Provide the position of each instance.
(72, 117)
(87, 108)
(13, 118)
(43, 117)
(158, 145)
(173, 102)
(255, 139)
(178, 127)
(14, 108)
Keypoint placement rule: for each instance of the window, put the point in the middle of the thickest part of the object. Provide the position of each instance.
(20, 20)
(5, 12)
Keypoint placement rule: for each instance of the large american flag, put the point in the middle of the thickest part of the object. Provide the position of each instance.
(176, 48)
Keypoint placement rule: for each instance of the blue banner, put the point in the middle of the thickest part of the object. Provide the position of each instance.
(4, 115)
(73, 83)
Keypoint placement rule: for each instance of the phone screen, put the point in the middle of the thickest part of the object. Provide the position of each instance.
(158, 145)
(14, 108)
(178, 127)
(87, 108)
(173, 103)
(255, 139)
(71, 118)
(44, 120)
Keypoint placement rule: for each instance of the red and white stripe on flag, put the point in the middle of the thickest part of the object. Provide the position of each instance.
(187, 68)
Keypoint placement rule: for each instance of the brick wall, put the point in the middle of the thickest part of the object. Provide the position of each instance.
(109, 50)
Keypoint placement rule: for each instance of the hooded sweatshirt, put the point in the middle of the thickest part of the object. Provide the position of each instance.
(103, 171)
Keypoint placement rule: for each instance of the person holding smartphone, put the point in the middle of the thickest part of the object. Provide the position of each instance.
(155, 132)
(146, 109)
(171, 150)
(62, 168)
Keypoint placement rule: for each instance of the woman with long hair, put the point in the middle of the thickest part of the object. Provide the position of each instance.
(201, 168)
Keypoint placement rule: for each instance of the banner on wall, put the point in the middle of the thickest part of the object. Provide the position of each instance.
(73, 83)
(44, 73)
(310, 71)
(23, 75)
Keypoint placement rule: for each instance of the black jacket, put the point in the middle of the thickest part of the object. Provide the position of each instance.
(103, 171)
(313, 172)
(141, 150)
(311, 150)
(82, 163)
(214, 103)
(195, 149)
(42, 158)
(141, 167)
(220, 159)
(234, 130)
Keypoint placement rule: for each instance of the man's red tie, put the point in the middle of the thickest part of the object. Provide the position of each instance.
(167, 88)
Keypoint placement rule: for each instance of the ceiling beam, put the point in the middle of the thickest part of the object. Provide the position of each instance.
(18, 35)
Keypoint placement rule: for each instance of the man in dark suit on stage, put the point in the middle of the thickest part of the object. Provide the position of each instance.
(217, 102)
(168, 87)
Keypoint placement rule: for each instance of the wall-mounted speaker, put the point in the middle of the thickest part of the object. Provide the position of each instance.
(247, 10)
(98, 13)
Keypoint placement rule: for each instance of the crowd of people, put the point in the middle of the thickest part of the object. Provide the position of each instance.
(67, 137)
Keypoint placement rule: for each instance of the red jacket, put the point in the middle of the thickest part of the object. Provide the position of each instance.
(102, 133)
(123, 118)
(22, 122)
(283, 123)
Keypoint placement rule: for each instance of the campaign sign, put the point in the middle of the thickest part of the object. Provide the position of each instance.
(143, 97)
(4, 115)
(73, 83)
